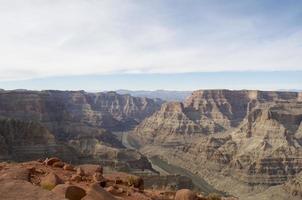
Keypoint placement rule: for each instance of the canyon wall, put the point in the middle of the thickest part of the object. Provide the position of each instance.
(205, 112)
(246, 138)
(62, 121)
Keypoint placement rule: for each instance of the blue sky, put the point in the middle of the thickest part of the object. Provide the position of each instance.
(86, 40)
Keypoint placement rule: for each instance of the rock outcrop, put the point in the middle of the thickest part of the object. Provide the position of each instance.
(185, 194)
(26, 181)
(73, 125)
(264, 150)
(170, 121)
(257, 144)
(60, 110)
(205, 112)
(25, 140)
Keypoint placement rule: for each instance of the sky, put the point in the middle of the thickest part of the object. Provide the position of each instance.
(72, 44)
(285, 80)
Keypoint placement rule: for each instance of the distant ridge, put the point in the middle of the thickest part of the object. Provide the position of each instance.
(167, 95)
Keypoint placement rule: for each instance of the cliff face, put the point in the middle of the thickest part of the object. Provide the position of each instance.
(206, 112)
(244, 138)
(169, 122)
(55, 109)
(264, 150)
(269, 144)
(59, 121)
(29, 140)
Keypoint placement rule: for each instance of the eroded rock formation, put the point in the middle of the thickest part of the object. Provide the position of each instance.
(73, 125)
(258, 145)
(205, 112)
(59, 110)
(25, 140)
(39, 180)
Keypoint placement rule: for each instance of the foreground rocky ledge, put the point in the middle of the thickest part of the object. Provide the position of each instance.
(53, 179)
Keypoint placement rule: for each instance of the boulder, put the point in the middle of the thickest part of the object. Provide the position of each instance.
(97, 177)
(118, 180)
(50, 181)
(80, 172)
(16, 174)
(115, 190)
(51, 161)
(90, 169)
(96, 192)
(23, 190)
(76, 178)
(58, 164)
(68, 167)
(185, 194)
(70, 192)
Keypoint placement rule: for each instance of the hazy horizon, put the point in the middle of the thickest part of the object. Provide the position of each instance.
(251, 80)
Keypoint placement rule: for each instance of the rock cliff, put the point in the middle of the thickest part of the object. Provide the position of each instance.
(59, 121)
(57, 109)
(264, 150)
(251, 139)
(205, 112)
(22, 141)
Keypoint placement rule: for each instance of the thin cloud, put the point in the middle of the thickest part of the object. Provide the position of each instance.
(57, 38)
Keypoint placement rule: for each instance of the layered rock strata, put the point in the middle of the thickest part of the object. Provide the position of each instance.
(205, 112)
(257, 145)
(60, 109)
(57, 122)
(22, 141)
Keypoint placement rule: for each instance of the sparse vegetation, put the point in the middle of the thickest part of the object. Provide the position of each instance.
(136, 182)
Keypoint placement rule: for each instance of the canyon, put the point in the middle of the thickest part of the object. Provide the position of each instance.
(73, 125)
(243, 143)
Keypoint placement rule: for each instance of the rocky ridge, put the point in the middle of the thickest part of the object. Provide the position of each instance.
(205, 112)
(258, 147)
(58, 109)
(73, 125)
(53, 179)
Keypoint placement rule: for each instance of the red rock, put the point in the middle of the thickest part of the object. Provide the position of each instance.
(114, 190)
(23, 190)
(51, 161)
(16, 174)
(68, 167)
(50, 181)
(70, 192)
(90, 169)
(118, 180)
(111, 190)
(58, 164)
(95, 192)
(185, 194)
(97, 177)
(80, 172)
(76, 178)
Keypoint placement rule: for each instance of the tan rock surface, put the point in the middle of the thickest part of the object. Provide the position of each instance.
(262, 151)
(204, 112)
(185, 194)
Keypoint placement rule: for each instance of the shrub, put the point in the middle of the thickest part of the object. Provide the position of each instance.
(136, 182)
